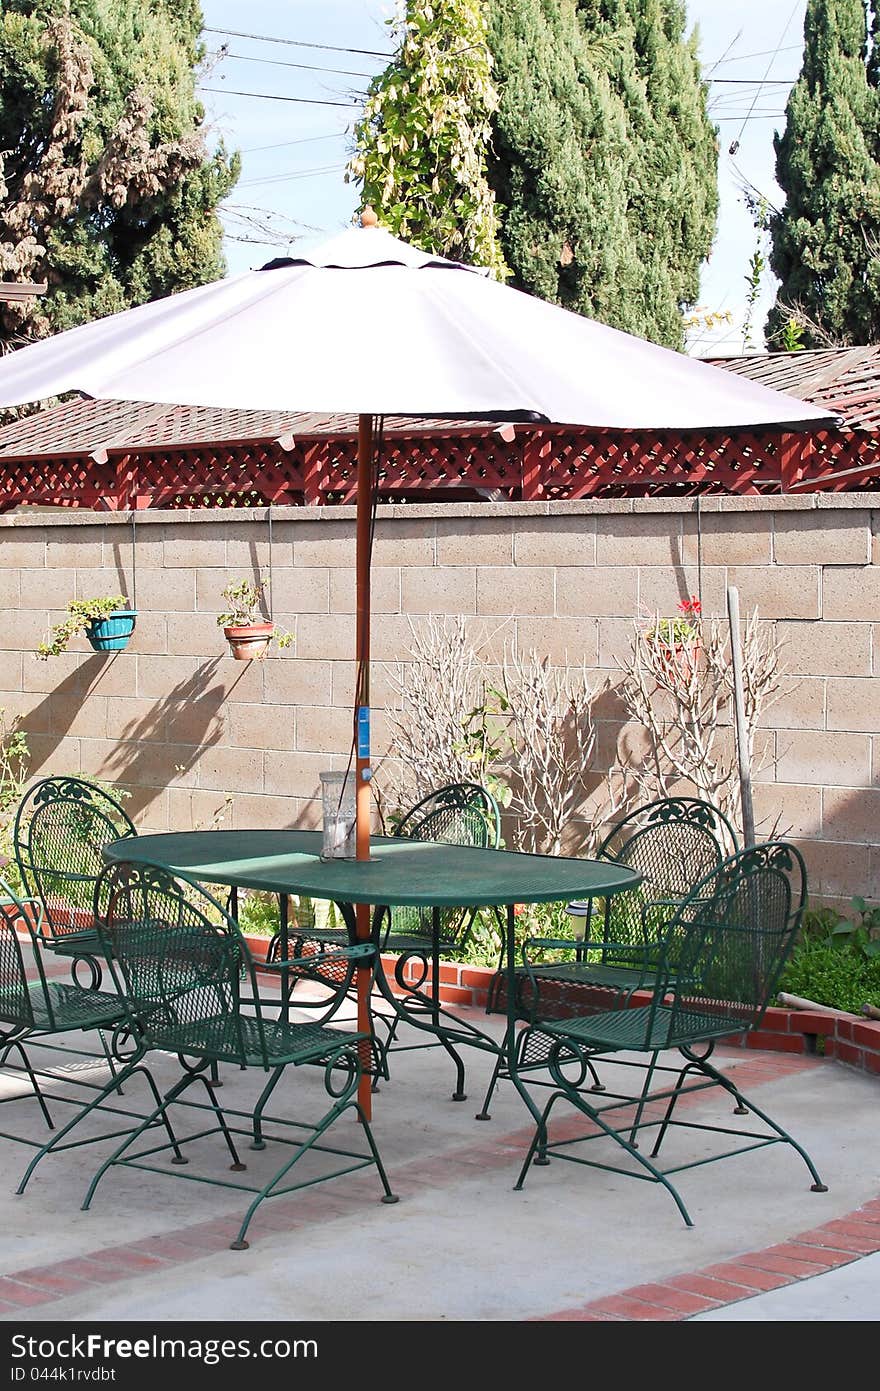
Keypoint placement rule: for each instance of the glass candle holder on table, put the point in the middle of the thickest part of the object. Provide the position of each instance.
(340, 816)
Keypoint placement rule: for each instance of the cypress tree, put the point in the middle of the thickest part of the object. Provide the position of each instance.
(559, 163)
(106, 187)
(605, 158)
(826, 241)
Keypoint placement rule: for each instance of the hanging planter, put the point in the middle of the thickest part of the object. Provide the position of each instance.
(678, 640)
(248, 633)
(107, 623)
(111, 634)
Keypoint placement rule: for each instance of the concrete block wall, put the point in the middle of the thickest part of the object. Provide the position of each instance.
(198, 738)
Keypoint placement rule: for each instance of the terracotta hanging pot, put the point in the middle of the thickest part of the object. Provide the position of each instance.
(250, 640)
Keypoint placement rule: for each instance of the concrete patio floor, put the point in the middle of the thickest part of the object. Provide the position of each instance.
(461, 1245)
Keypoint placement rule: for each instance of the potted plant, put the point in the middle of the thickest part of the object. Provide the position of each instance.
(681, 636)
(107, 622)
(245, 628)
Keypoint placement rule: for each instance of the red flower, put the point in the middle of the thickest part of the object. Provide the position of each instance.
(692, 607)
(518, 909)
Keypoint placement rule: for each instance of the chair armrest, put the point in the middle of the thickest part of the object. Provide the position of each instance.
(16, 902)
(364, 951)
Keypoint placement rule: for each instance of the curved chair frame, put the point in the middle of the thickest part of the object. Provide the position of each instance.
(181, 961)
(720, 959)
(60, 829)
(674, 842)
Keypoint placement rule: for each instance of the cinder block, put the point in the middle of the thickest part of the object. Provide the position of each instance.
(384, 590)
(295, 774)
(205, 545)
(295, 681)
(322, 543)
(78, 548)
(822, 538)
(850, 814)
(231, 770)
(590, 591)
(439, 591)
(327, 636)
(476, 540)
(835, 759)
(251, 727)
(835, 869)
(554, 541)
(167, 589)
(320, 729)
(134, 719)
(566, 641)
(647, 539)
(782, 592)
(38, 589)
(729, 538)
(786, 809)
(821, 648)
(799, 704)
(402, 543)
(854, 703)
(851, 592)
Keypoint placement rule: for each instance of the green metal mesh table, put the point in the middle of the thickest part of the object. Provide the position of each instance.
(405, 873)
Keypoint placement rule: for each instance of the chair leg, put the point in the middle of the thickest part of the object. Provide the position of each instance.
(336, 1110)
(676, 1093)
(55, 1143)
(258, 1143)
(703, 1065)
(483, 1113)
(26, 1063)
(581, 1104)
(159, 1113)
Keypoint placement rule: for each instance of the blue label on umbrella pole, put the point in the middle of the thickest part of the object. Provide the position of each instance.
(363, 731)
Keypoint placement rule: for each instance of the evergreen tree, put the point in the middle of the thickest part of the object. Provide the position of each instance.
(605, 158)
(559, 163)
(106, 188)
(420, 147)
(826, 241)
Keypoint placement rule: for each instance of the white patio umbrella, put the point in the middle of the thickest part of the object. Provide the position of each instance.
(369, 325)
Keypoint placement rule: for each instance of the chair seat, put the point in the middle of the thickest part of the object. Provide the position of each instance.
(244, 1039)
(635, 1029)
(71, 1006)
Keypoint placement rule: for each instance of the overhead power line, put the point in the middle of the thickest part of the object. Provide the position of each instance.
(744, 57)
(283, 63)
(271, 96)
(299, 43)
(302, 140)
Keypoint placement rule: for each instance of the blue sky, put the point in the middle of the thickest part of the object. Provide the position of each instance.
(294, 153)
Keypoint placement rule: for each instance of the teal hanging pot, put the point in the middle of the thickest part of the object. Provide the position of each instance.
(111, 634)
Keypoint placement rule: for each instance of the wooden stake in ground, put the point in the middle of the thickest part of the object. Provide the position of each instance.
(742, 736)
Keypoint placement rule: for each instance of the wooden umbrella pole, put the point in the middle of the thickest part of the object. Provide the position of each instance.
(362, 717)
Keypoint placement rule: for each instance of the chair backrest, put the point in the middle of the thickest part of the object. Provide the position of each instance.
(15, 1001)
(60, 829)
(180, 958)
(729, 940)
(462, 813)
(673, 843)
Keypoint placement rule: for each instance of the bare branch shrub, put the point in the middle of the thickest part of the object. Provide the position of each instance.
(552, 738)
(526, 734)
(444, 680)
(682, 696)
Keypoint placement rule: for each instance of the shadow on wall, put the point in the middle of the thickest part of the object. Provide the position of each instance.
(146, 755)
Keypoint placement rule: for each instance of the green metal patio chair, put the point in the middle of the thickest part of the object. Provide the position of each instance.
(718, 964)
(182, 961)
(457, 814)
(673, 843)
(34, 1010)
(61, 826)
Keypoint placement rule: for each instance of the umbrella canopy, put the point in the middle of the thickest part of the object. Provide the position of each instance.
(367, 324)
